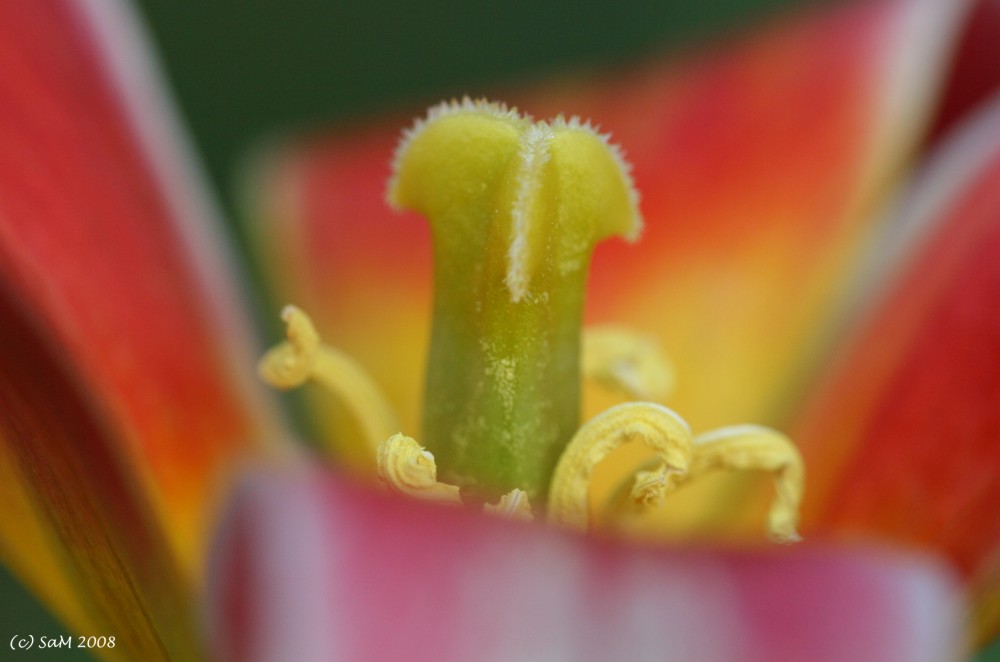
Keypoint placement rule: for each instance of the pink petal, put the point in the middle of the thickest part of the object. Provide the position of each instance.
(308, 568)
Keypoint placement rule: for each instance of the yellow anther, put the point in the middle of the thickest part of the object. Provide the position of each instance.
(653, 425)
(753, 447)
(513, 505)
(406, 467)
(627, 362)
(303, 358)
(651, 487)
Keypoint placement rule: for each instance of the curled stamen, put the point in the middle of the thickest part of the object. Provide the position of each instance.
(738, 447)
(753, 447)
(653, 425)
(624, 361)
(304, 358)
(407, 468)
(513, 505)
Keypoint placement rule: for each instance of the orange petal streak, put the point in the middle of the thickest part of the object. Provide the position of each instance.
(331, 246)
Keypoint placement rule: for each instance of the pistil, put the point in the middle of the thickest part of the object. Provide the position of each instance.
(515, 210)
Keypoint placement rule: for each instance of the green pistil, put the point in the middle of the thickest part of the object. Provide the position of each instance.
(515, 210)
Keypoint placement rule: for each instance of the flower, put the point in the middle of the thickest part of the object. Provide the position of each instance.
(121, 427)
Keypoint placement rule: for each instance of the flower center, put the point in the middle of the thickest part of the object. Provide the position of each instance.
(515, 210)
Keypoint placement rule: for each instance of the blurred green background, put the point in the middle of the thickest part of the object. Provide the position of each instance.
(244, 70)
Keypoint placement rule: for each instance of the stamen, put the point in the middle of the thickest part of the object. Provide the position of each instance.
(627, 362)
(513, 505)
(739, 447)
(407, 468)
(653, 425)
(303, 358)
(754, 447)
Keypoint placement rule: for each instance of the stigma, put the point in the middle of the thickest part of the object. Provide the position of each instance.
(516, 208)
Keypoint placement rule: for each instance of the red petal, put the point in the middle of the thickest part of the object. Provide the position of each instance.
(107, 245)
(763, 171)
(760, 168)
(975, 73)
(102, 555)
(309, 569)
(905, 431)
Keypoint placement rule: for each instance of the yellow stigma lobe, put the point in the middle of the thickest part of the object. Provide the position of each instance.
(469, 160)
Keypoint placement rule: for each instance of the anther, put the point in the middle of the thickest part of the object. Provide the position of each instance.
(407, 468)
(513, 505)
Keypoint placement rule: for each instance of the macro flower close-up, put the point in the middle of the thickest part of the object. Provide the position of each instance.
(692, 356)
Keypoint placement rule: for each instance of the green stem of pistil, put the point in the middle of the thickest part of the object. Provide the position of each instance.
(503, 379)
(515, 210)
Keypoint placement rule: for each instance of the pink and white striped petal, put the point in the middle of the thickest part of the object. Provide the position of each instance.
(308, 568)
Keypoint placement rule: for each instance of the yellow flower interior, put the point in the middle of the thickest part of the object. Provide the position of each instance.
(544, 193)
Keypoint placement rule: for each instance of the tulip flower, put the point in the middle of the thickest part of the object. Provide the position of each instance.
(128, 407)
